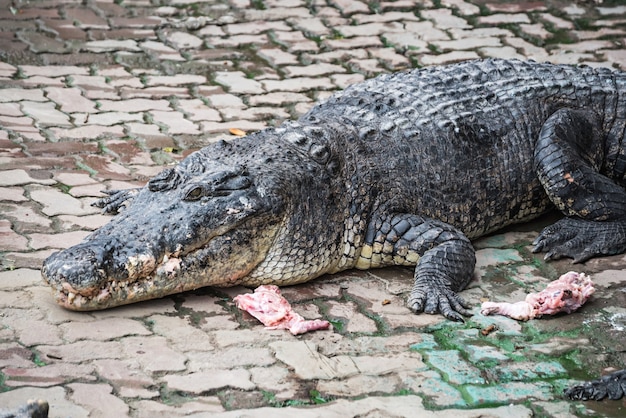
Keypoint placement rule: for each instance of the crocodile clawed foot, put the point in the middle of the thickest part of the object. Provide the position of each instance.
(586, 392)
(581, 240)
(438, 300)
(613, 386)
(115, 201)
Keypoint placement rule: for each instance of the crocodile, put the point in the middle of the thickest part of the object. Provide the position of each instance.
(402, 169)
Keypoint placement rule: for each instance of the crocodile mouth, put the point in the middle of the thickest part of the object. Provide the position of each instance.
(225, 260)
(161, 282)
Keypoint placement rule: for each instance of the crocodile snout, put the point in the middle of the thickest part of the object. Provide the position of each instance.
(89, 266)
(79, 269)
(92, 272)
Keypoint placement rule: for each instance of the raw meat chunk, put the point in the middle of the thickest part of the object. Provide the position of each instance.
(566, 294)
(268, 306)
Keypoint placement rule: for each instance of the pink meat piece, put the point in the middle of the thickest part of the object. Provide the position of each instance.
(522, 311)
(566, 294)
(268, 306)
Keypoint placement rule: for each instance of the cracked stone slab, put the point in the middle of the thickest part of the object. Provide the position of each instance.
(153, 353)
(237, 82)
(56, 202)
(18, 177)
(456, 369)
(431, 386)
(19, 278)
(180, 333)
(309, 364)
(9, 239)
(49, 375)
(235, 357)
(103, 329)
(99, 399)
(199, 382)
(202, 406)
(393, 406)
(360, 385)
(83, 351)
(125, 373)
(511, 391)
(27, 218)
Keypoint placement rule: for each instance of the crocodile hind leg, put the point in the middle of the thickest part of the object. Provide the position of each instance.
(568, 165)
(443, 256)
(613, 386)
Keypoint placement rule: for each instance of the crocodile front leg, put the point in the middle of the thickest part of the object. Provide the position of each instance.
(443, 256)
(115, 200)
(568, 157)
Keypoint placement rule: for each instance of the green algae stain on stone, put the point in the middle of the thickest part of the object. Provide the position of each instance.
(495, 256)
(529, 371)
(508, 392)
(517, 362)
(478, 354)
(553, 409)
(427, 343)
(493, 241)
(507, 239)
(504, 326)
(456, 370)
(437, 393)
(466, 334)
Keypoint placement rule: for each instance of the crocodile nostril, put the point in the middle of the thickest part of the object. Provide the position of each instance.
(81, 267)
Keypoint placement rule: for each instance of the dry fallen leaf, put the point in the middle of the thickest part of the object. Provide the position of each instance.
(488, 330)
(386, 302)
(237, 132)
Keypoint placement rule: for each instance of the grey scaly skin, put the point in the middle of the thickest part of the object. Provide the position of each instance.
(612, 386)
(403, 169)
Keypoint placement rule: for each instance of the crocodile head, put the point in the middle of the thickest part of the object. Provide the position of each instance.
(206, 222)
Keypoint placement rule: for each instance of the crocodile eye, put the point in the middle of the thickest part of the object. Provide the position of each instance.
(194, 193)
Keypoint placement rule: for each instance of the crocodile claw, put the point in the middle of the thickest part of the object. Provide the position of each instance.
(613, 386)
(581, 240)
(442, 300)
(115, 200)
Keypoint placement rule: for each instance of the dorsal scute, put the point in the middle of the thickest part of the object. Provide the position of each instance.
(167, 179)
(315, 141)
(198, 165)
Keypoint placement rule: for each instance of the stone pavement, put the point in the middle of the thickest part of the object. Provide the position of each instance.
(102, 94)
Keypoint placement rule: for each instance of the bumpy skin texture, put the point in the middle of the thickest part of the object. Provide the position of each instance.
(403, 169)
(612, 386)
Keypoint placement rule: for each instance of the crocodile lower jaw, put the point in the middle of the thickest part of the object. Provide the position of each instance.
(117, 292)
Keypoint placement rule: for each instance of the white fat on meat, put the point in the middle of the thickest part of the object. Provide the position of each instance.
(566, 294)
(268, 306)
